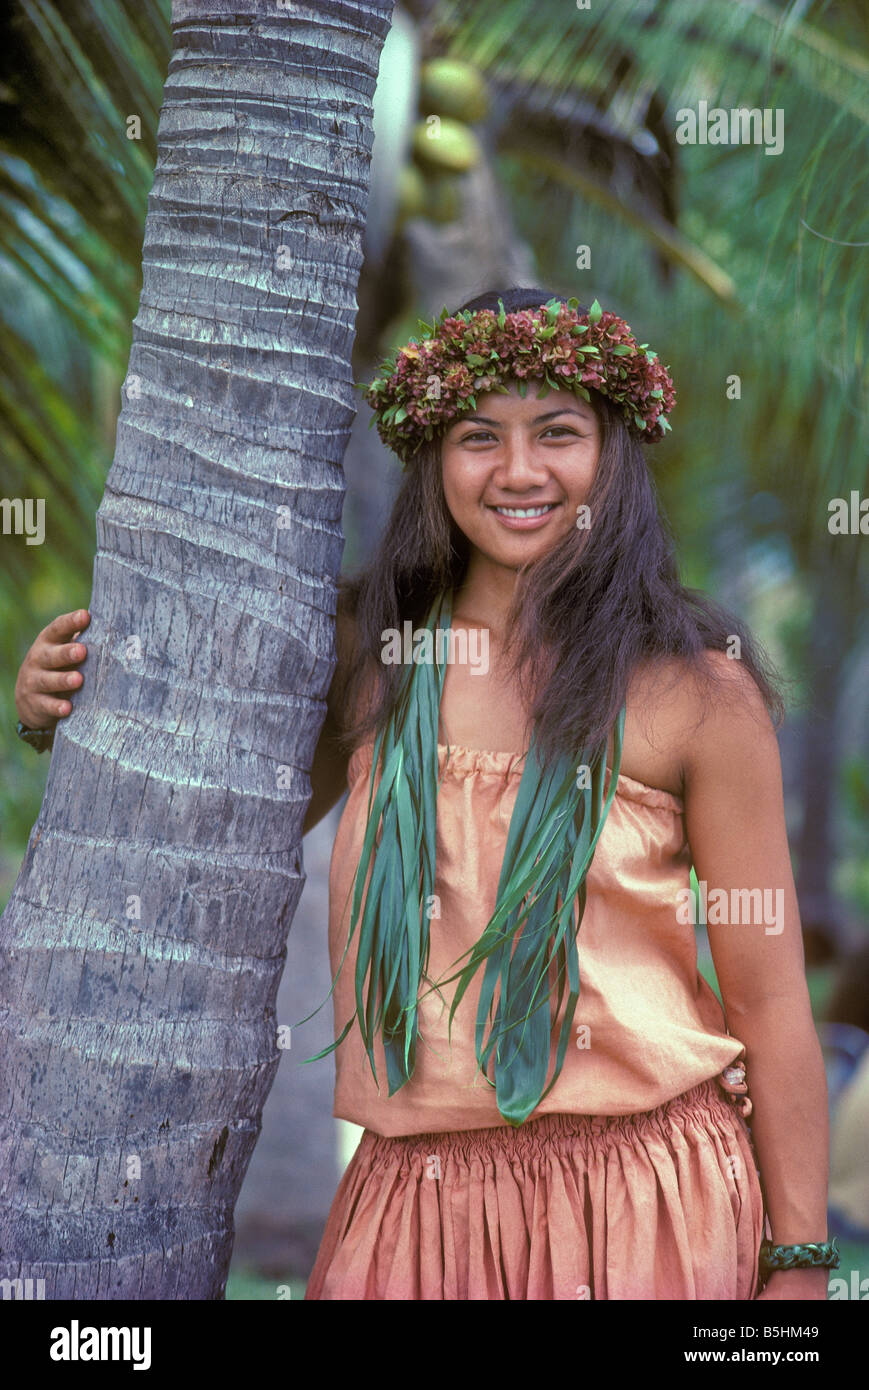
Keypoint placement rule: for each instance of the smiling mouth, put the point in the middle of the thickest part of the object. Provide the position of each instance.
(540, 510)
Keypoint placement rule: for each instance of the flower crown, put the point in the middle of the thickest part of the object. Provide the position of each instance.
(435, 379)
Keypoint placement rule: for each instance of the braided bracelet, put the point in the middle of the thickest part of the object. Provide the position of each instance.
(808, 1256)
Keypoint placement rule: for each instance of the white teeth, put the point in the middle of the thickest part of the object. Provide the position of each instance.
(525, 511)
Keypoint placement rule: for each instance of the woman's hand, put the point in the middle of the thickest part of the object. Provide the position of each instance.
(45, 672)
(796, 1283)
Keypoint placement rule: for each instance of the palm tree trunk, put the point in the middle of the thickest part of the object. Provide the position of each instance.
(142, 946)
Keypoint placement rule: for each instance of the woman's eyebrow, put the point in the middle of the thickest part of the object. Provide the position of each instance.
(538, 419)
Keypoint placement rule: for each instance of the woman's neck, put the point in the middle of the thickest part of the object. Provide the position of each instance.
(485, 595)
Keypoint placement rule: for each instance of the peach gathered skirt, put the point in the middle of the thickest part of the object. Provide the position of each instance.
(665, 1204)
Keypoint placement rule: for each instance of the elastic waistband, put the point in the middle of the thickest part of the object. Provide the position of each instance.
(701, 1105)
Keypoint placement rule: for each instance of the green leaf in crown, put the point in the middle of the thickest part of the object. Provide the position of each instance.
(402, 379)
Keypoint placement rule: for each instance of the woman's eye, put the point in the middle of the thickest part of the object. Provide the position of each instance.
(487, 434)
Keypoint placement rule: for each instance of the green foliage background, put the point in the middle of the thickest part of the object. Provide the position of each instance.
(729, 263)
(767, 278)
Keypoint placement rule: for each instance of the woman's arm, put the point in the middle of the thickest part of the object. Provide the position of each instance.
(735, 823)
(46, 673)
(329, 768)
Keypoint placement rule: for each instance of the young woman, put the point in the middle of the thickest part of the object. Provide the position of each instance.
(542, 732)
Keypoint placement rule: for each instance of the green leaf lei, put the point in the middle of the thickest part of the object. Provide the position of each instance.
(554, 829)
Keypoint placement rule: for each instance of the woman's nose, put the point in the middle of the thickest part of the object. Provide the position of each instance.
(517, 461)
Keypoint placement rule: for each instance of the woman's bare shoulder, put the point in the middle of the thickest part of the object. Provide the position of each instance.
(674, 705)
(690, 687)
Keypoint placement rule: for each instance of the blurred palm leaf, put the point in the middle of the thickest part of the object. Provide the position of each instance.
(73, 197)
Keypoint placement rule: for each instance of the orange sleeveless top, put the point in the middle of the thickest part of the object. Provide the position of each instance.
(647, 1025)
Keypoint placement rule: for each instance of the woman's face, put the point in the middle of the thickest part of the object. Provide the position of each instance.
(511, 455)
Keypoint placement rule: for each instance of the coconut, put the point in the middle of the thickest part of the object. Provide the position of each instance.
(452, 89)
(446, 144)
(411, 200)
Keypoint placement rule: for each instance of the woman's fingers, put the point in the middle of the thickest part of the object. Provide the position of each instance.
(45, 671)
(54, 658)
(42, 711)
(53, 647)
(62, 628)
(49, 681)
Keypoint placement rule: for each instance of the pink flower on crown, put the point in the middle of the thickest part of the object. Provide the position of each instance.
(539, 343)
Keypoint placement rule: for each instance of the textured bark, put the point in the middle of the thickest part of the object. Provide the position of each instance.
(291, 1181)
(142, 947)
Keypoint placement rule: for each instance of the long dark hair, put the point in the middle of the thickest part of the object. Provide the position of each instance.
(582, 617)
